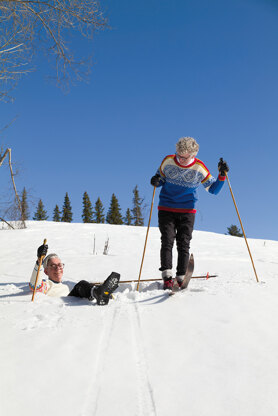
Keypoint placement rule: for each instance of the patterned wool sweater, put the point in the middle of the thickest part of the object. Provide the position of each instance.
(179, 184)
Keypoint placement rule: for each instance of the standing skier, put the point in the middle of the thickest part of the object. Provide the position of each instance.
(180, 175)
(53, 286)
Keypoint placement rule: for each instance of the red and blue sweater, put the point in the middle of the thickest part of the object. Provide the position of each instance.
(179, 184)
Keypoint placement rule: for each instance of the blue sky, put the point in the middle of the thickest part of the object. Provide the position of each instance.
(164, 69)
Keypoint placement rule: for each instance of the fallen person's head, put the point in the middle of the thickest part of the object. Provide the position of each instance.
(53, 267)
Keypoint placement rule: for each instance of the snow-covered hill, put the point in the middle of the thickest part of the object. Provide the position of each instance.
(209, 351)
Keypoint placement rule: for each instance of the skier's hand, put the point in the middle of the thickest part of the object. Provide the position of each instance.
(155, 180)
(223, 167)
(42, 250)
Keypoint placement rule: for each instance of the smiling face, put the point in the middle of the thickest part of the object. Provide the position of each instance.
(184, 158)
(55, 269)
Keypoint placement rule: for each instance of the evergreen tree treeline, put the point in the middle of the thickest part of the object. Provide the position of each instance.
(235, 231)
(57, 214)
(114, 215)
(40, 214)
(87, 214)
(90, 213)
(99, 212)
(24, 205)
(66, 212)
(137, 215)
(128, 217)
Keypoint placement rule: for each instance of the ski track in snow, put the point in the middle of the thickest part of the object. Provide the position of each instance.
(146, 403)
(94, 389)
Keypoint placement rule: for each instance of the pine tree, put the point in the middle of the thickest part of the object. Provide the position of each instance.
(40, 214)
(234, 230)
(128, 217)
(24, 206)
(56, 214)
(137, 216)
(87, 214)
(99, 217)
(66, 213)
(114, 215)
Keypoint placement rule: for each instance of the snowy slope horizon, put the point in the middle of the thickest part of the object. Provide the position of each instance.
(94, 236)
(210, 350)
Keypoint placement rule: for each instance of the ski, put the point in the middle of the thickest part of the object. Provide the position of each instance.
(187, 277)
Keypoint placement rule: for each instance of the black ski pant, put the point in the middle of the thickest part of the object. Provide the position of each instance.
(175, 226)
(82, 289)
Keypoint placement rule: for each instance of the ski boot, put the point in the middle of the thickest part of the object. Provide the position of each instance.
(179, 280)
(103, 292)
(168, 281)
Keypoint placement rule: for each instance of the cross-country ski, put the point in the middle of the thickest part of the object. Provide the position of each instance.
(183, 284)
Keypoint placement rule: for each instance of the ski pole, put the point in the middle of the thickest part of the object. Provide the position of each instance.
(242, 227)
(38, 272)
(203, 276)
(146, 239)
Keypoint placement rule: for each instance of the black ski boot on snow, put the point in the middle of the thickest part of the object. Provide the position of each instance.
(103, 292)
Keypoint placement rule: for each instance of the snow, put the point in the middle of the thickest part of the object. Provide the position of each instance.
(210, 350)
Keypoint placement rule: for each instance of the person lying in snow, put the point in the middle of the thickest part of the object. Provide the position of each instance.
(53, 286)
(179, 176)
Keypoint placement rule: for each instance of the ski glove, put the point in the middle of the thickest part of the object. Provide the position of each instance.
(223, 167)
(155, 180)
(42, 250)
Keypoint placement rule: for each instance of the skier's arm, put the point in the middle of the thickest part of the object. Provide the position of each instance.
(213, 185)
(42, 285)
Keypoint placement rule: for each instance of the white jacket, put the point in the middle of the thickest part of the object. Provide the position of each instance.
(47, 286)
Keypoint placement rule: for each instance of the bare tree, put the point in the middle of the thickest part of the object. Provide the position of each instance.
(27, 27)
(16, 207)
